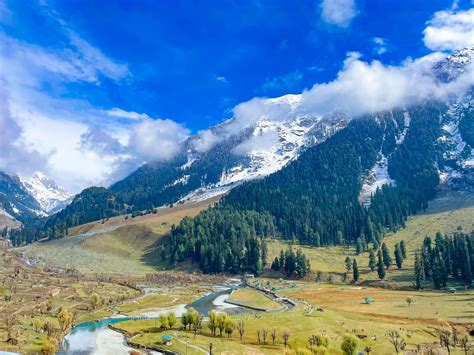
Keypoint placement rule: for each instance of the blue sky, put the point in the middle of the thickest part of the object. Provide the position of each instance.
(192, 61)
(81, 62)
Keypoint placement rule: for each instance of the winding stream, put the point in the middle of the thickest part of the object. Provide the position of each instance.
(97, 338)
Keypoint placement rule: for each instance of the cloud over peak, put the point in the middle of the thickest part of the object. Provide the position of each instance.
(450, 30)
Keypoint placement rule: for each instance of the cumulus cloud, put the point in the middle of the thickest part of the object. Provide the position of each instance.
(15, 156)
(359, 88)
(97, 140)
(450, 30)
(157, 139)
(338, 12)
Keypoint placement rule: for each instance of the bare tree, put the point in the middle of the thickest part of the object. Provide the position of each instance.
(241, 328)
(397, 341)
(10, 322)
(286, 335)
(444, 336)
(274, 334)
(264, 335)
(464, 343)
(258, 336)
(367, 350)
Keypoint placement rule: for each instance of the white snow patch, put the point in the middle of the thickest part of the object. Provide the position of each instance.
(182, 180)
(406, 125)
(376, 178)
(46, 192)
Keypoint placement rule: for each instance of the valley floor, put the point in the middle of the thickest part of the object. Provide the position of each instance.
(104, 252)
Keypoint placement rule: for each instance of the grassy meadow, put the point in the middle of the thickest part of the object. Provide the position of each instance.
(120, 245)
(251, 298)
(445, 214)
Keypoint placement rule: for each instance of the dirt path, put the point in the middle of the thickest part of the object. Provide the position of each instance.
(188, 344)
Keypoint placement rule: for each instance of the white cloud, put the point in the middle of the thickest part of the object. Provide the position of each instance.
(157, 139)
(117, 112)
(338, 12)
(360, 88)
(205, 140)
(380, 45)
(450, 30)
(68, 139)
(15, 156)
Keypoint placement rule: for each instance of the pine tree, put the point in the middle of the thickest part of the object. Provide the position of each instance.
(372, 261)
(419, 272)
(355, 271)
(359, 246)
(403, 249)
(264, 251)
(387, 260)
(276, 264)
(398, 256)
(466, 262)
(380, 267)
(282, 259)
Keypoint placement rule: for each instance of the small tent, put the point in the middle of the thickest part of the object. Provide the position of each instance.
(369, 300)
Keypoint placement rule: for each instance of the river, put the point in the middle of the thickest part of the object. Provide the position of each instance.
(97, 338)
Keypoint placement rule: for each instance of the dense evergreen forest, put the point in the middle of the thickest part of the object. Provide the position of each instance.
(447, 256)
(315, 198)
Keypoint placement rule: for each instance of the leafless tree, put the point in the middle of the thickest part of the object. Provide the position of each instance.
(367, 350)
(444, 336)
(464, 343)
(286, 336)
(274, 334)
(10, 322)
(258, 336)
(264, 335)
(241, 328)
(397, 341)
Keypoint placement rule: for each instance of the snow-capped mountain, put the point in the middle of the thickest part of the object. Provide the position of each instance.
(268, 145)
(23, 199)
(50, 196)
(222, 157)
(16, 203)
(456, 140)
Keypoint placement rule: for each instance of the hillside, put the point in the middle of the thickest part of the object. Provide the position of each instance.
(445, 214)
(119, 245)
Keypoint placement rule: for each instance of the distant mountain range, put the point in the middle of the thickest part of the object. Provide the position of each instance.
(25, 199)
(215, 161)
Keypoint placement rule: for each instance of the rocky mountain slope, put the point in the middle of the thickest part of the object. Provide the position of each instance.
(46, 192)
(22, 200)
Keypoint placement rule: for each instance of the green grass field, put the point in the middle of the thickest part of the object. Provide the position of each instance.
(116, 246)
(444, 214)
(251, 298)
(343, 313)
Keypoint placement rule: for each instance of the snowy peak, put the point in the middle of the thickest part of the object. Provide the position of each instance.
(454, 65)
(49, 195)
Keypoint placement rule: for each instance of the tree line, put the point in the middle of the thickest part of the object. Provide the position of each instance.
(447, 256)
